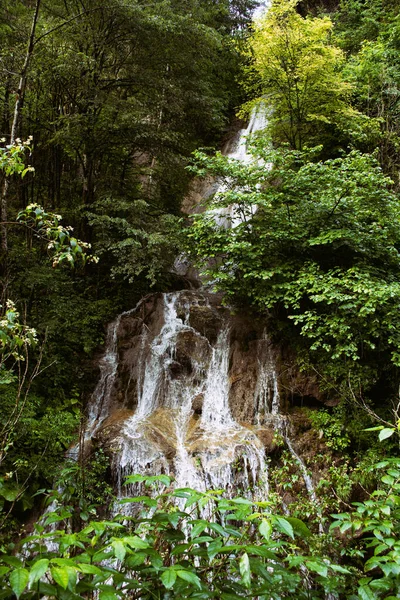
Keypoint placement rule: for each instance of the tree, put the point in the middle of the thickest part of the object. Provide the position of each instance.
(298, 74)
(20, 96)
(17, 340)
(317, 244)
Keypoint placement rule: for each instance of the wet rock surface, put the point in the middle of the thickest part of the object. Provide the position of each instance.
(190, 389)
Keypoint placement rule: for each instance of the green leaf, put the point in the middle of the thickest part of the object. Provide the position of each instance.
(284, 526)
(61, 576)
(365, 593)
(378, 428)
(19, 580)
(9, 492)
(339, 569)
(89, 569)
(198, 528)
(38, 570)
(189, 577)
(265, 528)
(244, 568)
(385, 433)
(168, 578)
(136, 542)
(12, 560)
(299, 527)
(119, 549)
(108, 595)
(316, 567)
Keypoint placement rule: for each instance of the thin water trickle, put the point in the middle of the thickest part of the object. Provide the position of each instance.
(307, 479)
(216, 413)
(99, 406)
(266, 394)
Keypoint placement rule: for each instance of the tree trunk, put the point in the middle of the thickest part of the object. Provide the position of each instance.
(15, 124)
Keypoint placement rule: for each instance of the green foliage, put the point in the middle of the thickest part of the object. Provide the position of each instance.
(378, 521)
(81, 486)
(143, 240)
(332, 427)
(12, 158)
(300, 80)
(369, 32)
(172, 550)
(15, 338)
(60, 242)
(315, 242)
(35, 434)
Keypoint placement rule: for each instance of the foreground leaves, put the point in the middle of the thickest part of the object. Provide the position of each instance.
(185, 544)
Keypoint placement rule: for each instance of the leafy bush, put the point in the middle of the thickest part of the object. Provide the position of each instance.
(315, 244)
(181, 544)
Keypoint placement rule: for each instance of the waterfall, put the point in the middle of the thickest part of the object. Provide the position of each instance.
(180, 412)
(164, 435)
(99, 405)
(216, 412)
(266, 395)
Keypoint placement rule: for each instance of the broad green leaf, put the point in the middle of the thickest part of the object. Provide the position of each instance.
(136, 542)
(180, 549)
(316, 567)
(388, 480)
(299, 527)
(168, 578)
(385, 433)
(218, 529)
(60, 576)
(38, 570)
(189, 577)
(198, 528)
(89, 569)
(284, 526)
(108, 595)
(14, 561)
(244, 568)
(365, 593)
(119, 549)
(19, 580)
(339, 569)
(265, 528)
(260, 551)
(9, 492)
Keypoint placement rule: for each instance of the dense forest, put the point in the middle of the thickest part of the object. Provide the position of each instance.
(110, 114)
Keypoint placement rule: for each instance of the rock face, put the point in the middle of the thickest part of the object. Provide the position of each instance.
(191, 390)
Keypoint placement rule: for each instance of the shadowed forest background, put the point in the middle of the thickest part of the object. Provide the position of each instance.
(110, 114)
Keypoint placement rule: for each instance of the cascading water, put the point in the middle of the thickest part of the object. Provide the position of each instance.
(266, 395)
(165, 435)
(188, 403)
(99, 406)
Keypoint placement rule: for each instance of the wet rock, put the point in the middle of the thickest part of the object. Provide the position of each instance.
(267, 438)
(206, 321)
(197, 404)
(109, 431)
(160, 429)
(192, 351)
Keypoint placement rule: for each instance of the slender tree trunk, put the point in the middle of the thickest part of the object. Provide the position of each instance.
(15, 124)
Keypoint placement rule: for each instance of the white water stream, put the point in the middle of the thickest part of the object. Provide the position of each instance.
(208, 452)
(164, 435)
